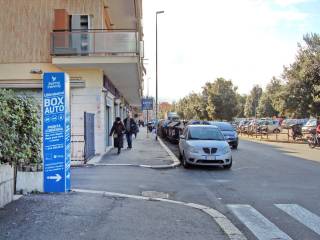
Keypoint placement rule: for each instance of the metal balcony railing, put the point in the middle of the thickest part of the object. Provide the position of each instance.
(94, 42)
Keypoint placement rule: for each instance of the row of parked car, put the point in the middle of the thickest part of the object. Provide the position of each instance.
(260, 125)
(270, 126)
(173, 129)
(275, 125)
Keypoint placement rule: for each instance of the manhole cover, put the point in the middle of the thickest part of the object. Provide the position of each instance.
(154, 194)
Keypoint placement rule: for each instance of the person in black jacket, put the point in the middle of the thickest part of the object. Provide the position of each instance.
(130, 128)
(117, 130)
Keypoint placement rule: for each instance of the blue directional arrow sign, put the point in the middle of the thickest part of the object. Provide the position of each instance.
(56, 132)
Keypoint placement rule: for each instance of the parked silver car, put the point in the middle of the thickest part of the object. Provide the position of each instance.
(204, 145)
(310, 125)
(273, 126)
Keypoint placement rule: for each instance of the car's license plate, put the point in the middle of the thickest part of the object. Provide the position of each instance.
(206, 157)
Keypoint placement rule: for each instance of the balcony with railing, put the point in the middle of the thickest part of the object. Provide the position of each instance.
(95, 43)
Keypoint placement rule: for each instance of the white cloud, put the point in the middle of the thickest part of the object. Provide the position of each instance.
(290, 2)
(205, 39)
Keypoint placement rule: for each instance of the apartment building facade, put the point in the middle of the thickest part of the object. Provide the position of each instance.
(99, 43)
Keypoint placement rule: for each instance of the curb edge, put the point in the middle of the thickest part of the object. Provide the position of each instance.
(95, 161)
(225, 224)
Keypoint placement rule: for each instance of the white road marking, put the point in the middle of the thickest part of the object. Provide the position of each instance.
(261, 227)
(136, 165)
(242, 168)
(155, 194)
(116, 164)
(302, 215)
(232, 231)
(221, 180)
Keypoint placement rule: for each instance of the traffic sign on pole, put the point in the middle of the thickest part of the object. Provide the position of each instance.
(147, 103)
(56, 132)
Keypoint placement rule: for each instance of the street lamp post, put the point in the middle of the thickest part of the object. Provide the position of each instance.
(156, 125)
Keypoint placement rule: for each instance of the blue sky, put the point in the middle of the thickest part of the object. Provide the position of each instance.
(248, 41)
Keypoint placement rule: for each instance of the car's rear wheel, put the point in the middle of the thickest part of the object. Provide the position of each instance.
(228, 166)
(235, 146)
(185, 164)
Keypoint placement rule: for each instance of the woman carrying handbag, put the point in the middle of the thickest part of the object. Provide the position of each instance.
(117, 130)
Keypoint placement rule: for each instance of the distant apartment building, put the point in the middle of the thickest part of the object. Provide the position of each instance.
(99, 43)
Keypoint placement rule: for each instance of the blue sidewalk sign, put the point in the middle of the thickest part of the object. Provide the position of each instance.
(147, 103)
(56, 132)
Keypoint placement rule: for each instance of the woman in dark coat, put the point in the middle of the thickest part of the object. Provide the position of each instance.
(117, 130)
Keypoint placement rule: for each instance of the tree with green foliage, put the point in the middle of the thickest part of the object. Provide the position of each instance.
(180, 107)
(275, 90)
(193, 105)
(252, 101)
(241, 100)
(221, 99)
(302, 90)
(265, 107)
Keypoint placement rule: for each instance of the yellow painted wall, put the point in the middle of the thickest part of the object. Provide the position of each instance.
(21, 71)
(17, 71)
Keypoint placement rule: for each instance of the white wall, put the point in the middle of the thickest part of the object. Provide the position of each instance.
(6, 184)
(28, 182)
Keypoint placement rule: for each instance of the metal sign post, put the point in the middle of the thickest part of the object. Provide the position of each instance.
(147, 123)
(147, 104)
(56, 132)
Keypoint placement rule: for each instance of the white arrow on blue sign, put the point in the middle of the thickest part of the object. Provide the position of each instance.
(57, 177)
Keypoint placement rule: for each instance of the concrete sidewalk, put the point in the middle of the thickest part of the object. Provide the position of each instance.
(146, 151)
(94, 217)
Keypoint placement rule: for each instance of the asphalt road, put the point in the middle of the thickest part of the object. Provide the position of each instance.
(270, 193)
(261, 177)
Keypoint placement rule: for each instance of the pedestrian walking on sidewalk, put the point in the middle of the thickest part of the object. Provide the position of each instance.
(137, 126)
(117, 130)
(130, 128)
(136, 131)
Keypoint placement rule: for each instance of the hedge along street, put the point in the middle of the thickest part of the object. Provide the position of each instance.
(20, 129)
